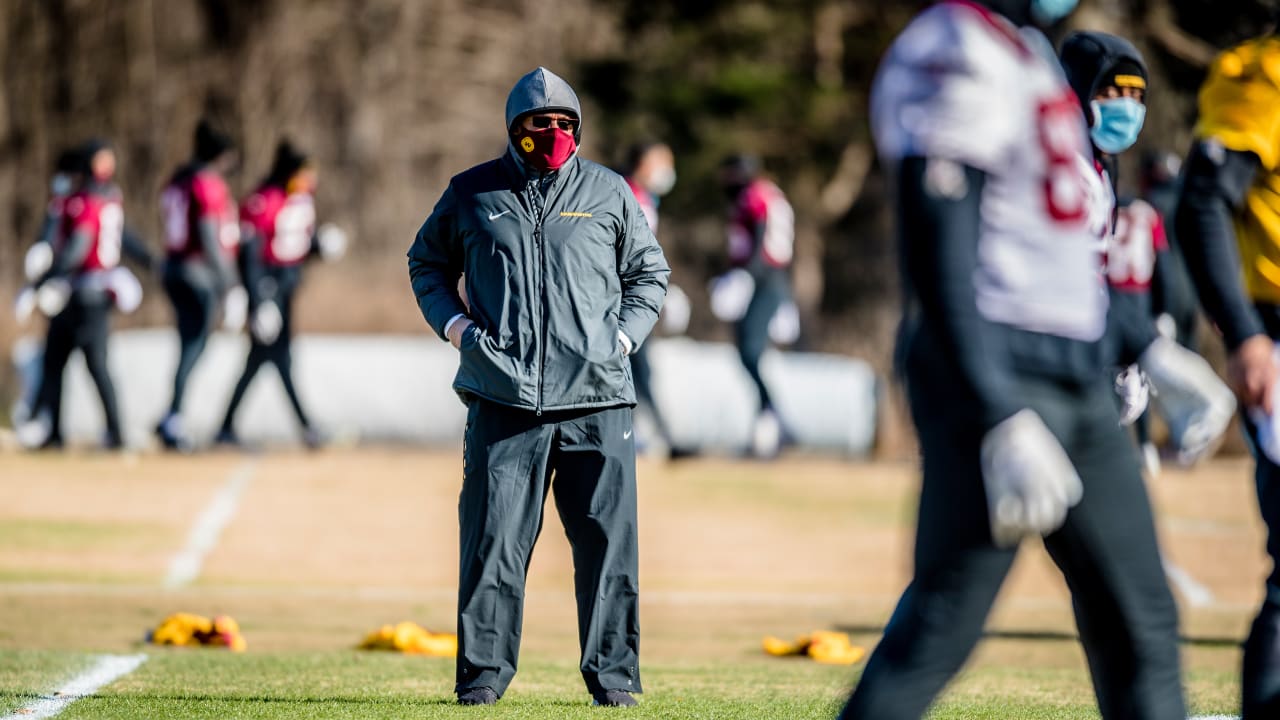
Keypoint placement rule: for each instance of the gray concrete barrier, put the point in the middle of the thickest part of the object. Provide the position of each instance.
(397, 389)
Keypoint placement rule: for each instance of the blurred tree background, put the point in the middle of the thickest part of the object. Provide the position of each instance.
(391, 97)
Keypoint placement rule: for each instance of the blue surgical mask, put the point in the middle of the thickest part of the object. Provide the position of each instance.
(1048, 12)
(1116, 123)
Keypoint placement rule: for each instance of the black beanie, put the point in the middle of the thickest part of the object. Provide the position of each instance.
(210, 143)
(288, 161)
(1124, 74)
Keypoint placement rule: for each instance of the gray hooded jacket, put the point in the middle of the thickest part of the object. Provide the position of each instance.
(555, 266)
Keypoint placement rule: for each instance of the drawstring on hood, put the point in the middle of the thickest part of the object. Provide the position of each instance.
(542, 91)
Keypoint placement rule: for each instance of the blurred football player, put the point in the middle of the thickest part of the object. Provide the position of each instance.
(1228, 223)
(83, 282)
(761, 235)
(650, 173)
(1109, 78)
(1002, 347)
(201, 235)
(278, 233)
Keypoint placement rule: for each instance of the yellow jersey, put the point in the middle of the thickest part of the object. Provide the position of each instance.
(1240, 108)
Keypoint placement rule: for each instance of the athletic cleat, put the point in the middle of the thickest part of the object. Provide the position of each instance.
(227, 438)
(478, 696)
(314, 439)
(614, 698)
(171, 436)
(766, 435)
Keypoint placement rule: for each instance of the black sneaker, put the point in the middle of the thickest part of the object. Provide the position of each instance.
(171, 438)
(227, 438)
(479, 696)
(614, 698)
(314, 439)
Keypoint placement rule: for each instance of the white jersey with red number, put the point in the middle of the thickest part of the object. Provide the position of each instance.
(1131, 254)
(964, 85)
(284, 221)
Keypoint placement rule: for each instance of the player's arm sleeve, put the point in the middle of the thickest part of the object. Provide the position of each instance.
(211, 246)
(436, 263)
(939, 239)
(1211, 192)
(72, 255)
(643, 272)
(48, 229)
(1164, 276)
(1132, 329)
(135, 249)
(249, 263)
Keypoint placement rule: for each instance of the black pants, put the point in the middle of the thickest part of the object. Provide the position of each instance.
(1106, 550)
(278, 353)
(510, 459)
(1261, 675)
(752, 332)
(193, 290)
(83, 325)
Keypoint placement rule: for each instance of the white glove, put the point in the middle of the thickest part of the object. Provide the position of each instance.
(53, 296)
(1134, 392)
(1029, 480)
(37, 261)
(625, 342)
(332, 241)
(24, 304)
(267, 322)
(784, 326)
(1167, 326)
(1196, 404)
(235, 309)
(124, 288)
(731, 294)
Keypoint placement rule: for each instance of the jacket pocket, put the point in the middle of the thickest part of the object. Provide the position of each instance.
(487, 371)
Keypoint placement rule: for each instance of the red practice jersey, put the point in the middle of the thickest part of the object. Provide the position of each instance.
(283, 222)
(648, 204)
(761, 204)
(1131, 254)
(193, 196)
(97, 213)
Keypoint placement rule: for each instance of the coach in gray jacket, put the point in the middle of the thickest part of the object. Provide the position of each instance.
(563, 279)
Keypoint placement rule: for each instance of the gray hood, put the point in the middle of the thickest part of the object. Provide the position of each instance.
(542, 90)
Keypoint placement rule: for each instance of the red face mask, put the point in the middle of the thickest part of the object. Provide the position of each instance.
(545, 149)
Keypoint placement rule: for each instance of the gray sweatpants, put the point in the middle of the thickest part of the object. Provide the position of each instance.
(513, 458)
(1107, 552)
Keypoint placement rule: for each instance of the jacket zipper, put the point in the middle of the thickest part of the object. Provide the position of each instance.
(542, 288)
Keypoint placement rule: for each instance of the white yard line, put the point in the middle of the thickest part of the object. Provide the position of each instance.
(1215, 717)
(1188, 587)
(208, 527)
(105, 670)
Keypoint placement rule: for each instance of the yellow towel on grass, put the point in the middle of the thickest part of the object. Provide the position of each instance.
(411, 638)
(189, 630)
(823, 646)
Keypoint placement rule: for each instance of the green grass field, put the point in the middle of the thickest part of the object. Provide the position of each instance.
(325, 548)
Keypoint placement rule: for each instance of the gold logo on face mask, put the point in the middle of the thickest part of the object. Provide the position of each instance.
(527, 144)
